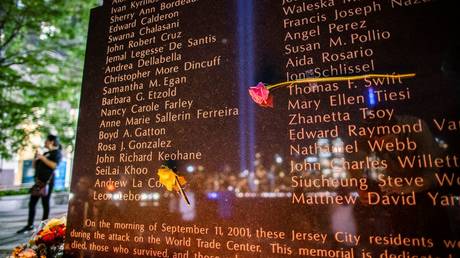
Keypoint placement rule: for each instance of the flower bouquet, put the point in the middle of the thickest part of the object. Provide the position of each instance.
(24, 252)
(48, 242)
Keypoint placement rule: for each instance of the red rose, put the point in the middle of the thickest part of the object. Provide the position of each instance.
(261, 95)
(60, 232)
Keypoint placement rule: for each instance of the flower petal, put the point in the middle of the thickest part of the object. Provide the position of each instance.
(261, 95)
(168, 179)
(268, 102)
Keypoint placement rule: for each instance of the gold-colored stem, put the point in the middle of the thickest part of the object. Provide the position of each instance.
(342, 78)
(182, 192)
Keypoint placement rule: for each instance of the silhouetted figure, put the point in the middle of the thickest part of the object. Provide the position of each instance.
(44, 176)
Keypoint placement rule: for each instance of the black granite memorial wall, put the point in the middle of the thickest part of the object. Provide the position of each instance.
(357, 157)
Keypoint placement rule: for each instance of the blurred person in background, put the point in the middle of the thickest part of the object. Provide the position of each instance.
(44, 165)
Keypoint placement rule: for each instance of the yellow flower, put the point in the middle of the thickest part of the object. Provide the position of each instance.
(168, 178)
(54, 222)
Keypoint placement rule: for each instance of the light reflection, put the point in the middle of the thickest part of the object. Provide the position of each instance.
(327, 171)
(278, 159)
(143, 196)
(117, 196)
(371, 97)
(190, 169)
(270, 179)
(311, 159)
(264, 195)
(213, 195)
(442, 144)
(245, 39)
(155, 196)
